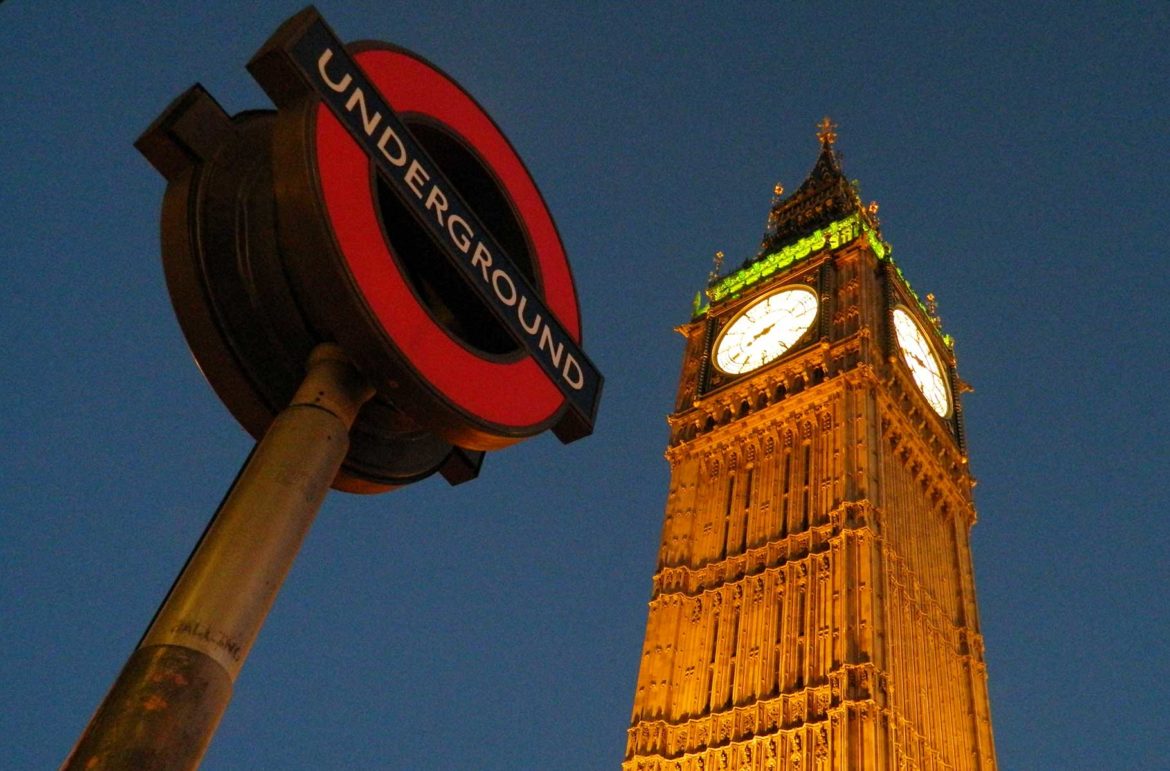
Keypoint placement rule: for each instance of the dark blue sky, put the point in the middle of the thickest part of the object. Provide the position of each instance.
(1020, 161)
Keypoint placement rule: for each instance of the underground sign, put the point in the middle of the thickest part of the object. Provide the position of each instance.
(379, 207)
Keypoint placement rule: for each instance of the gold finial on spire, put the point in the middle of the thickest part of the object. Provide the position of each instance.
(932, 309)
(827, 131)
(778, 190)
(713, 276)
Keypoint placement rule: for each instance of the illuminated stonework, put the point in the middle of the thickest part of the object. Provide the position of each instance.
(813, 606)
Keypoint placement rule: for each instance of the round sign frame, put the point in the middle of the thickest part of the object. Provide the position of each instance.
(333, 236)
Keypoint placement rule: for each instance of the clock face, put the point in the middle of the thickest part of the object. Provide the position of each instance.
(765, 330)
(924, 365)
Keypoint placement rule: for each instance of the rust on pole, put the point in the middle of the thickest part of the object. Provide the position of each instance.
(167, 701)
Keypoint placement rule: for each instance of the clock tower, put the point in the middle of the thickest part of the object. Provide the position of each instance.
(813, 606)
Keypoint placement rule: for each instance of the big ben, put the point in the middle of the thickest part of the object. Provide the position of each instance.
(813, 605)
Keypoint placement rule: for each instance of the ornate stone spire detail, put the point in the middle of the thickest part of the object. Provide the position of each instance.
(716, 267)
(932, 309)
(825, 196)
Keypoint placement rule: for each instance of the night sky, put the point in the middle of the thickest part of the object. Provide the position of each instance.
(1019, 158)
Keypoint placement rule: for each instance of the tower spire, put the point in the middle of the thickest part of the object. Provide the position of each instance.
(826, 195)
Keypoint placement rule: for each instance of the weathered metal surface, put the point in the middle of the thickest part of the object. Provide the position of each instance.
(167, 701)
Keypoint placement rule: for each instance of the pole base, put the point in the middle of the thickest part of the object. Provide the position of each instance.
(159, 716)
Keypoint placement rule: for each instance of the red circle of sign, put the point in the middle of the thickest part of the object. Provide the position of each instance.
(513, 394)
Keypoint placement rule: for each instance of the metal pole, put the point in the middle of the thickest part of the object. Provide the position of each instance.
(164, 707)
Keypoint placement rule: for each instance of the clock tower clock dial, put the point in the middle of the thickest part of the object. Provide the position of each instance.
(924, 365)
(765, 330)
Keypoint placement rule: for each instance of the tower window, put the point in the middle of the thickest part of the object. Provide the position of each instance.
(711, 661)
(780, 658)
(806, 486)
(747, 504)
(730, 693)
(727, 515)
(786, 478)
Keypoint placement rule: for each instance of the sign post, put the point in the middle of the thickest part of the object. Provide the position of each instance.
(380, 227)
(166, 703)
